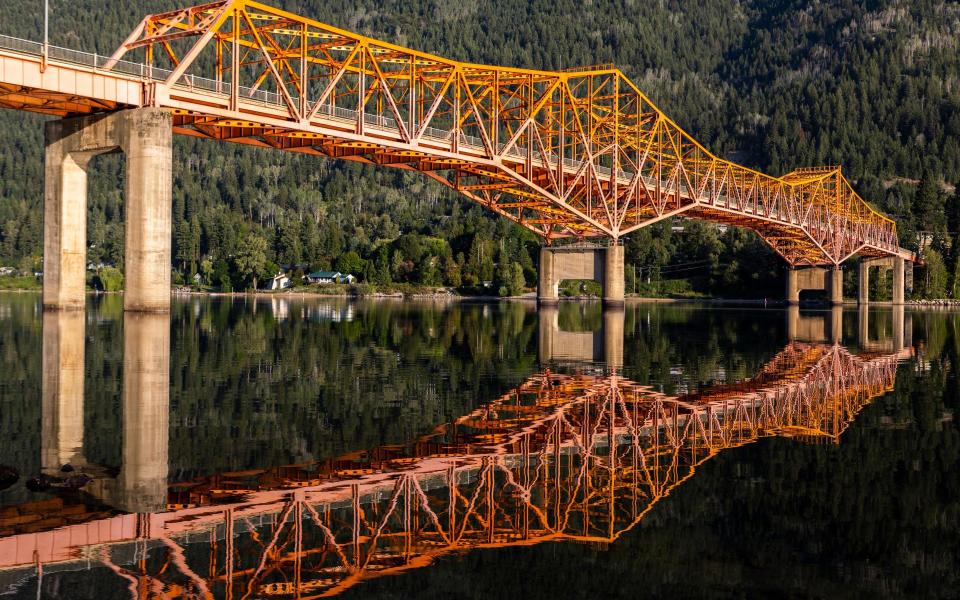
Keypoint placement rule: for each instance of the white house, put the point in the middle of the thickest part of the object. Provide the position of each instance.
(280, 281)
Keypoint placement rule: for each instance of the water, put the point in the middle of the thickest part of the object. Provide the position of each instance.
(253, 448)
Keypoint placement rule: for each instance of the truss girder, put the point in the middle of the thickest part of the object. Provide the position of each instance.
(580, 153)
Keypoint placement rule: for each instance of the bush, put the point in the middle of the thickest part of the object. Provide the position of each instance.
(109, 279)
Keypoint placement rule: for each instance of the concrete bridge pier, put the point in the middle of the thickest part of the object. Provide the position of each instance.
(829, 279)
(603, 264)
(145, 136)
(894, 263)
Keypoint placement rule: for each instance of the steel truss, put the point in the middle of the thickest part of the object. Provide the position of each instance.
(577, 153)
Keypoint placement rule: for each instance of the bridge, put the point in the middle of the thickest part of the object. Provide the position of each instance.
(580, 154)
(577, 458)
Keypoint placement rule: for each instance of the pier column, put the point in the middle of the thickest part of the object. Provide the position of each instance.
(547, 283)
(863, 282)
(149, 151)
(146, 412)
(898, 280)
(613, 280)
(64, 223)
(145, 136)
(836, 285)
(793, 286)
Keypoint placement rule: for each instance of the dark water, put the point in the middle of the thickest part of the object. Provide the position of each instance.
(294, 448)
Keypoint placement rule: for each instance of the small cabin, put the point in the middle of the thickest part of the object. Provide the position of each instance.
(280, 281)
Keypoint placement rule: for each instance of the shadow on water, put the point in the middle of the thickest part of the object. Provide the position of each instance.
(369, 439)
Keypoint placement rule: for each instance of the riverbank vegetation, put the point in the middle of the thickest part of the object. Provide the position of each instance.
(774, 86)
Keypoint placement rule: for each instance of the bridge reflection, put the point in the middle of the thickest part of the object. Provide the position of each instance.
(577, 457)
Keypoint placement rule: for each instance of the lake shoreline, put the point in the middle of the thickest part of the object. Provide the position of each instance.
(528, 297)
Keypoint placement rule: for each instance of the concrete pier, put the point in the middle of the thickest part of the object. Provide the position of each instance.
(828, 279)
(836, 285)
(894, 263)
(603, 264)
(145, 136)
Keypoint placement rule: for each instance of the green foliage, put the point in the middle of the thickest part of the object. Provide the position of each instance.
(109, 279)
(251, 258)
(932, 282)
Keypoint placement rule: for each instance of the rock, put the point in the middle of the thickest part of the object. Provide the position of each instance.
(8, 476)
(41, 483)
(77, 481)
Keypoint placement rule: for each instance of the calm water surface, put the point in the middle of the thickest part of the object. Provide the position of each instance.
(281, 448)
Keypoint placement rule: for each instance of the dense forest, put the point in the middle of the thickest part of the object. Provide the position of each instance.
(872, 85)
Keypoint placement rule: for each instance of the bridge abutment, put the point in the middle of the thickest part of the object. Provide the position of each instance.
(603, 264)
(145, 136)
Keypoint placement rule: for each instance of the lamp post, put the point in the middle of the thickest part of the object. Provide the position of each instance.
(46, 34)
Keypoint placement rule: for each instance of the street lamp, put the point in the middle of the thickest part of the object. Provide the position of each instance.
(46, 32)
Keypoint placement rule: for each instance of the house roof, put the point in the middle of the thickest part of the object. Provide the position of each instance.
(324, 274)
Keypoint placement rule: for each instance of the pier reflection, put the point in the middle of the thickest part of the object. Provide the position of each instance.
(580, 456)
(141, 484)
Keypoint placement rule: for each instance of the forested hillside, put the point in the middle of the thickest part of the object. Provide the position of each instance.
(872, 85)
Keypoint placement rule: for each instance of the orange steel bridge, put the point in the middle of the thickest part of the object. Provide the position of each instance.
(560, 458)
(577, 153)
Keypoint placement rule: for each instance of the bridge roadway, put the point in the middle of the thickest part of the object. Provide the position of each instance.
(580, 153)
(561, 457)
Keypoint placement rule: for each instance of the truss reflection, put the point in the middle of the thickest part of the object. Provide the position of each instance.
(559, 458)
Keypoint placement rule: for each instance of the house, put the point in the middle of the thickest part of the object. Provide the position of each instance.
(280, 281)
(326, 277)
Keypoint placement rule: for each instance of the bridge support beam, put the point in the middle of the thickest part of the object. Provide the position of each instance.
(603, 264)
(815, 278)
(899, 289)
(145, 136)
